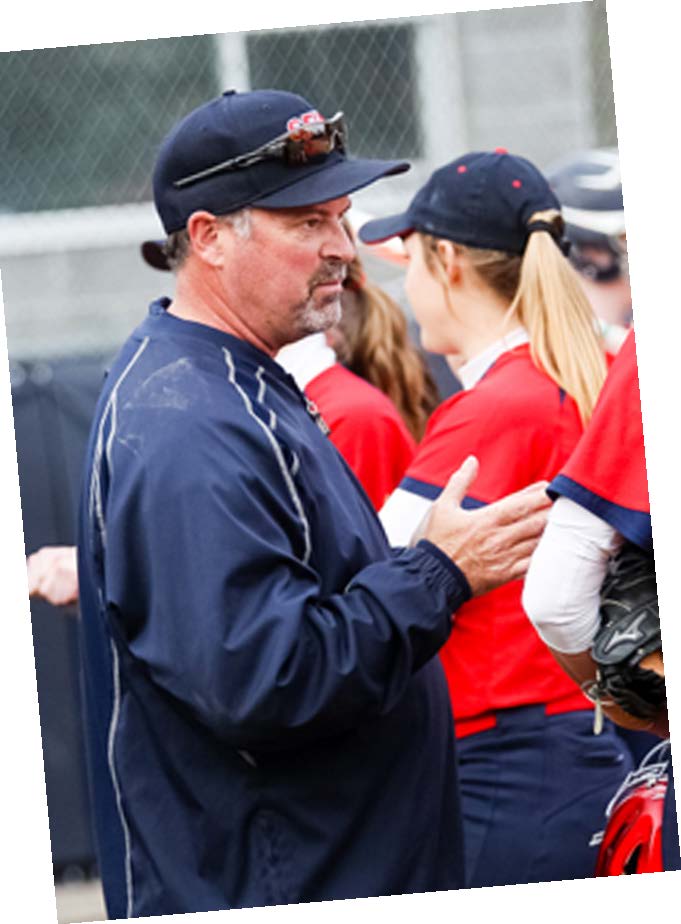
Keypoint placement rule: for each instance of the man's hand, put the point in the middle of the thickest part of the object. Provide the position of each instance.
(53, 574)
(493, 544)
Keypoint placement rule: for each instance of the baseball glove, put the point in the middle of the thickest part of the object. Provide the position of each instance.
(627, 648)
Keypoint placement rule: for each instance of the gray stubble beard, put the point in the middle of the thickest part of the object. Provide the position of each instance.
(315, 318)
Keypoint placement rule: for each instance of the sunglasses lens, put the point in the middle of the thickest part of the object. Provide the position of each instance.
(316, 146)
(314, 141)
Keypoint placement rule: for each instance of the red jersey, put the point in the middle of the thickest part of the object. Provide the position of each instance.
(366, 428)
(607, 471)
(522, 428)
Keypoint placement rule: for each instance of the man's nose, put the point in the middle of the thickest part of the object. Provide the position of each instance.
(338, 245)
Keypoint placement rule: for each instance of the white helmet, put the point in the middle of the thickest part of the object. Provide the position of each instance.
(589, 188)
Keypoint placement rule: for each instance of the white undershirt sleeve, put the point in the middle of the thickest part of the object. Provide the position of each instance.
(562, 587)
(402, 514)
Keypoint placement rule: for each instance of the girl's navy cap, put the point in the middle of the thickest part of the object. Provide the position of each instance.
(484, 199)
(235, 124)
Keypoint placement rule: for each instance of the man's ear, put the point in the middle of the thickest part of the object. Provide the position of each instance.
(204, 229)
(450, 256)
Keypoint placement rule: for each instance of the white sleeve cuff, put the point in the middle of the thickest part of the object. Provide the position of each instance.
(562, 587)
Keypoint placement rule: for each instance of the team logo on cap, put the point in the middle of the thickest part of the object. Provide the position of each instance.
(296, 126)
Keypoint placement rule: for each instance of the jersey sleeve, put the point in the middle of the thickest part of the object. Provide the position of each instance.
(606, 474)
(211, 582)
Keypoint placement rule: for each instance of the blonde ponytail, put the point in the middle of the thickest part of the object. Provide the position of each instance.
(546, 297)
(552, 307)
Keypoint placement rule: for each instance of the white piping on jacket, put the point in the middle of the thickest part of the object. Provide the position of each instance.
(95, 493)
(113, 727)
(276, 448)
(96, 510)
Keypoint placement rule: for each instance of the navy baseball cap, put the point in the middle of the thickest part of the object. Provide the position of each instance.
(234, 125)
(484, 199)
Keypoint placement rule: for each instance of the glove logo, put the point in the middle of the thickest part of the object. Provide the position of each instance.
(632, 633)
(629, 632)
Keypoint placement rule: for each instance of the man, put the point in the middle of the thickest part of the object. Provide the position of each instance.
(266, 720)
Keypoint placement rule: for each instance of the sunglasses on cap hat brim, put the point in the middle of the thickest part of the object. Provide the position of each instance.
(295, 148)
(215, 159)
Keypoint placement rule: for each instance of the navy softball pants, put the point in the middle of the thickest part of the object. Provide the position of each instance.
(534, 792)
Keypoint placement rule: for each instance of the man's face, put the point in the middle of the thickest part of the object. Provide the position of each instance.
(286, 277)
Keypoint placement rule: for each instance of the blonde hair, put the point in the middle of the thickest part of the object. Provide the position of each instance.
(545, 296)
(373, 342)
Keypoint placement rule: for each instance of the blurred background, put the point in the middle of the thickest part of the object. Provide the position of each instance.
(79, 128)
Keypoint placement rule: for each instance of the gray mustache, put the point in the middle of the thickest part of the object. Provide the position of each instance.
(329, 273)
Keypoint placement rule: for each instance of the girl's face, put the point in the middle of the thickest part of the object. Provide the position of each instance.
(428, 299)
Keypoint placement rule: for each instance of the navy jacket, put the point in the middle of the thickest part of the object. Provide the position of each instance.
(266, 721)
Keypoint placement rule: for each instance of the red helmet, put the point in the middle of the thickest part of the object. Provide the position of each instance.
(632, 840)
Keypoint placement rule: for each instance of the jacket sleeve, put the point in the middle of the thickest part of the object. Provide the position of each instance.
(209, 588)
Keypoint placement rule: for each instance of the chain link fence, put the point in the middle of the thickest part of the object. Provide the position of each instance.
(79, 128)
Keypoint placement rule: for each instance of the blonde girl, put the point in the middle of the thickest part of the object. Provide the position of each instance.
(492, 290)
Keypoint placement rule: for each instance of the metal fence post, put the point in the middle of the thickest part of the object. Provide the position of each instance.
(232, 61)
(440, 87)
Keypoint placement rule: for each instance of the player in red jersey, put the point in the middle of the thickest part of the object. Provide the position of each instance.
(491, 288)
(601, 500)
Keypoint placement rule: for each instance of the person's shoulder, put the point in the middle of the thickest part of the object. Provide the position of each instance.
(348, 395)
(518, 388)
(622, 371)
(514, 372)
(339, 382)
(498, 388)
(513, 397)
(170, 399)
(155, 379)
